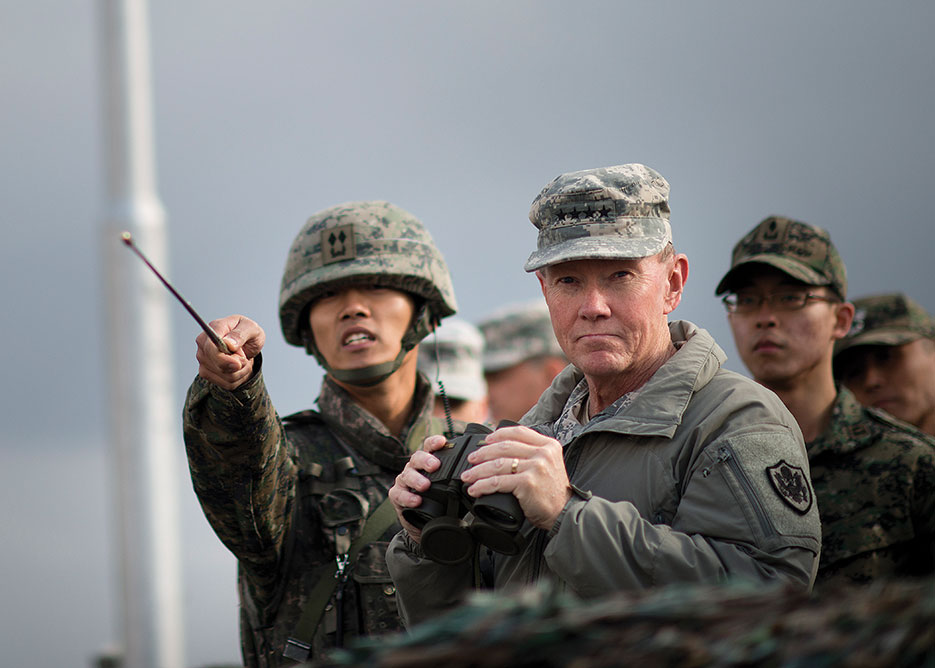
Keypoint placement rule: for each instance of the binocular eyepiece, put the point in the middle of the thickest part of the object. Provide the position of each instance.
(446, 537)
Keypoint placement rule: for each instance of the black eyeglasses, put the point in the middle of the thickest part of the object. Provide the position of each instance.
(791, 300)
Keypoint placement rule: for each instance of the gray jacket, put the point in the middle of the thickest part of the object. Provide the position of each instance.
(702, 477)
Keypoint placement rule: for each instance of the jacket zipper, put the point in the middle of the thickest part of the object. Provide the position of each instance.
(725, 454)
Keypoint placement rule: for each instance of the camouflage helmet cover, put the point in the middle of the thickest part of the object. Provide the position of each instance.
(362, 242)
(516, 333)
(453, 356)
(803, 251)
(601, 214)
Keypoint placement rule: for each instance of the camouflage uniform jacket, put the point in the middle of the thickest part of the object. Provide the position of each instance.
(260, 481)
(703, 476)
(874, 478)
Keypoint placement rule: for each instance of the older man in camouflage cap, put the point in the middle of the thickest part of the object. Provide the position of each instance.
(887, 358)
(874, 478)
(645, 463)
(301, 501)
(521, 358)
(451, 358)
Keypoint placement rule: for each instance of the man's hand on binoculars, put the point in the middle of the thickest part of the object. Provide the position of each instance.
(520, 461)
(403, 494)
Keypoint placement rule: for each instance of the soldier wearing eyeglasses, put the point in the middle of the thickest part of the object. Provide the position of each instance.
(874, 477)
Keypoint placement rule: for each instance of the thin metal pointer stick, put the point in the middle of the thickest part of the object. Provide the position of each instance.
(127, 239)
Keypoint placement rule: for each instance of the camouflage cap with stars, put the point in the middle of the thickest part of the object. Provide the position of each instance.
(601, 214)
(802, 251)
(887, 320)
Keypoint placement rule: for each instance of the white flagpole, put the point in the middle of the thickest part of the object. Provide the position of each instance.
(144, 418)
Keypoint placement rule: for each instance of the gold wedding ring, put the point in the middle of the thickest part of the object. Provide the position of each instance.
(515, 465)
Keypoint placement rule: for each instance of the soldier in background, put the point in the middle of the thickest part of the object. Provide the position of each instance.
(645, 463)
(451, 359)
(521, 358)
(887, 358)
(301, 501)
(874, 477)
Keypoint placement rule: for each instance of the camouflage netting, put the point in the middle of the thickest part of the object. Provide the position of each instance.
(886, 624)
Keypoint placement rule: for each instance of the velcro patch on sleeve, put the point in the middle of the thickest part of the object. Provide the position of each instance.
(776, 467)
(791, 484)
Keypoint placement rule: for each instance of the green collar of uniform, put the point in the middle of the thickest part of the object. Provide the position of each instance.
(851, 427)
(363, 431)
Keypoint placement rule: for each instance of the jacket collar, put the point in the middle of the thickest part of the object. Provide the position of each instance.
(849, 429)
(658, 408)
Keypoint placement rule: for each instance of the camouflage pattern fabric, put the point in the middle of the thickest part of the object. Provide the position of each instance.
(276, 492)
(567, 427)
(887, 320)
(874, 479)
(729, 625)
(803, 251)
(453, 355)
(518, 333)
(363, 242)
(599, 214)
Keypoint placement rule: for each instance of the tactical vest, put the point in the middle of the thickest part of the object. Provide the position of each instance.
(345, 595)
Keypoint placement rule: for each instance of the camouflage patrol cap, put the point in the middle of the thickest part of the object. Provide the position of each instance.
(362, 242)
(887, 320)
(453, 355)
(517, 333)
(601, 214)
(803, 251)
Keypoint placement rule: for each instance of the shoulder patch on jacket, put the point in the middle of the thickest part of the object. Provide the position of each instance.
(771, 468)
(791, 484)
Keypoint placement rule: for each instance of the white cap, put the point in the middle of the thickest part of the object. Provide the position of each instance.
(453, 354)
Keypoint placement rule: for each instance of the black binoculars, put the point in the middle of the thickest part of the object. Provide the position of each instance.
(446, 536)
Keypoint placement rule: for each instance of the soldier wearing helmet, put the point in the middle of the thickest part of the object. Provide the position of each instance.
(301, 501)
(521, 358)
(452, 358)
(645, 463)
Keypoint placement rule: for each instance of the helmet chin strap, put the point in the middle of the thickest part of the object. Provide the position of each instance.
(375, 374)
(369, 376)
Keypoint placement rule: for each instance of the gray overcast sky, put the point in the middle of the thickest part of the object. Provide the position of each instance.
(459, 112)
